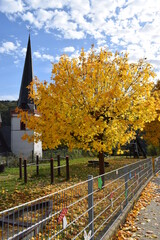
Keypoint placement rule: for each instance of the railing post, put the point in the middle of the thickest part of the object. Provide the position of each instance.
(37, 165)
(139, 176)
(90, 205)
(126, 184)
(158, 163)
(151, 164)
(25, 170)
(155, 165)
(67, 168)
(20, 168)
(52, 170)
(58, 163)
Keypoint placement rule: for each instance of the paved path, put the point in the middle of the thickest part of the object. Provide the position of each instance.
(148, 219)
(143, 222)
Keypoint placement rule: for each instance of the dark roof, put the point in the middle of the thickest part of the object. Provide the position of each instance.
(5, 139)
(24, 102)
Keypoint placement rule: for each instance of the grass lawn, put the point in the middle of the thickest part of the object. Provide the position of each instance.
(13, 191)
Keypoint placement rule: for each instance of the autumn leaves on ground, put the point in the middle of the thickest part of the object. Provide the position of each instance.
(13, 190)
(135, 226)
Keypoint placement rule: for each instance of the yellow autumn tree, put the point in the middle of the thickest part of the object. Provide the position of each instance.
(95, 102)
(152, 129)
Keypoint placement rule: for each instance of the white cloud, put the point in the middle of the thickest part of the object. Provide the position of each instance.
(132, 25)
(11, 6)
(8, 47)
(38, 18)
(23, 51)
(101, 42)
(43, 56)
(69, 49)
(37, 54)
(73, 34)
(41, 4)
(75, 54)
(48, 57)
(57, 58)
(31, 18)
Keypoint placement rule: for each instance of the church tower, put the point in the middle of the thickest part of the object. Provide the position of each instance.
(20, 147)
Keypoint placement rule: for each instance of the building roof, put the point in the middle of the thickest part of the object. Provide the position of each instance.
(24, 101)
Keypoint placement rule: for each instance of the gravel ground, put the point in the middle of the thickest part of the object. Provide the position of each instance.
(148, 219)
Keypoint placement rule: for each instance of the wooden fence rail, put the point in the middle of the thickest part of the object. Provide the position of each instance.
(38, 164)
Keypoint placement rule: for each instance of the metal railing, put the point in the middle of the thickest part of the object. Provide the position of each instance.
(157, 164)
(92, 205)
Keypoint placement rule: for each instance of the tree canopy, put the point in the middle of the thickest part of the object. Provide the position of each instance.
(152, 129)
(5, 108)
(95, 102)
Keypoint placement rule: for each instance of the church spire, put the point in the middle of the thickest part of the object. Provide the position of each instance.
(24, 102)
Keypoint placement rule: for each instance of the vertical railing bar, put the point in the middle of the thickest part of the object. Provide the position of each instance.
(18, 222)
(50, 223)
(8, 227)
(2, 225)
(57, 229)
(27, 216)
(42, 214)
(90, 205)
(41, 218)
(31, 214)
(13, 224)
(62, 204)
(37, 220)
(34, 220)
(126, 185)
(54, 214)
(45, 218)
(23, 219)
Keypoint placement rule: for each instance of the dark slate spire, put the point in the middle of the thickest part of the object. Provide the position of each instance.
(24, 102)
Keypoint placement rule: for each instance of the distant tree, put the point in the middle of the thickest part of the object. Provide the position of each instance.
(152, 129)
(5, 108)
(95, 102)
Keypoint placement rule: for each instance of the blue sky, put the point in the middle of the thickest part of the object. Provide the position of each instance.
(65, 26)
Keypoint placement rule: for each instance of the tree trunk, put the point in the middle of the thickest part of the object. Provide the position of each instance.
(101, 166)
(101, 163)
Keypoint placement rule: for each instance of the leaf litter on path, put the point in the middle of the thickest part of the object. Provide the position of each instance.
(129, 230)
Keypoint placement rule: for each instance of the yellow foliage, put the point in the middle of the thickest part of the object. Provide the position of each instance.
(152, 129)
(95, 102)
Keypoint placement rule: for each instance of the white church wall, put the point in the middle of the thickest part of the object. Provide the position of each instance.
(38, 145)
(21, 147)
(38, 148)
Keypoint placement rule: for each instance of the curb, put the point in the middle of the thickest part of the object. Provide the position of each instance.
(121, 219)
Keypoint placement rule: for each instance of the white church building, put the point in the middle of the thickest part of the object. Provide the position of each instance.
(21, 147)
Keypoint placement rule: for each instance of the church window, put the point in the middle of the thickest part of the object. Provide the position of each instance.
(22, 126)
